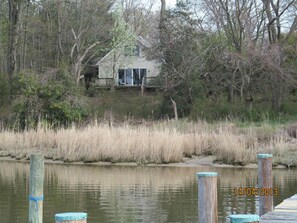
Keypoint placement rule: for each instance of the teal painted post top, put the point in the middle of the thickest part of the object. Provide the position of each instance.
(71, 216)
(207, 174)
(264, 156)
(244, 218)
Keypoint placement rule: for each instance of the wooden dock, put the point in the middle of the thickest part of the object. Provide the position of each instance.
(285, 212)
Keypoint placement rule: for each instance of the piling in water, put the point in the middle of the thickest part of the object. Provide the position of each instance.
(265, 183)
(207, 197)
(244, 218)
(36, 188)
(71, 217)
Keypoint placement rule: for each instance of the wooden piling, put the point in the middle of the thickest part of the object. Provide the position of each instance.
(265, 183)
(71, 217)
(207, 197)
(36, 188)
(244, 218)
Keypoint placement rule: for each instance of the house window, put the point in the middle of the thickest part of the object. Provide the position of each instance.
(121, 77)
(131, 76)
(136, 79)
(142, 73)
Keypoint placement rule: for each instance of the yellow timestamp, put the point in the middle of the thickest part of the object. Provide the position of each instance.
(253, 191)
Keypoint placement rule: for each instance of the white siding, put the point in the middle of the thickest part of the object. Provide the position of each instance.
(105, 66)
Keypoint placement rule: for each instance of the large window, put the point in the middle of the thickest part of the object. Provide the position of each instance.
(131, 76)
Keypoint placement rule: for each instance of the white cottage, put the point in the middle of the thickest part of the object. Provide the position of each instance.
(122, 69)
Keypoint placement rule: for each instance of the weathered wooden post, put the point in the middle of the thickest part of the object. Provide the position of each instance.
(244, 218)
(207, 197)
(36, 188)
(265, 183)
(71, 217)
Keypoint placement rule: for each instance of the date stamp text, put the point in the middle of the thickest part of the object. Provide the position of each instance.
(253, 191)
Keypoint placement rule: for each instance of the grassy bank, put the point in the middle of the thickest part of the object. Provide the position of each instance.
(126, 103)
(161, 142)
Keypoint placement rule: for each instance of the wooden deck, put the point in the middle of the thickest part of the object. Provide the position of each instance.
(285, 212)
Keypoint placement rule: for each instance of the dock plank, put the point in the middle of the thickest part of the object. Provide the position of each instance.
(285, 212)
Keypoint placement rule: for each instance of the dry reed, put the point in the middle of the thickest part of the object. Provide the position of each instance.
(154, 143)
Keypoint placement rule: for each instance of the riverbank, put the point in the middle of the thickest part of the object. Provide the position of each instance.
(188, 162)
(153, 143)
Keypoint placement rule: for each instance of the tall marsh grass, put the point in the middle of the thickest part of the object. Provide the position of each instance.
(165, 142)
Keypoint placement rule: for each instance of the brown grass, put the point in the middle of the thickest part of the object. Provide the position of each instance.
(164, 142)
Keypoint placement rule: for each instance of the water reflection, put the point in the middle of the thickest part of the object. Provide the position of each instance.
(130, 194)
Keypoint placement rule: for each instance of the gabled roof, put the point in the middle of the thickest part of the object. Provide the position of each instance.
(143, 41)
(139, 39)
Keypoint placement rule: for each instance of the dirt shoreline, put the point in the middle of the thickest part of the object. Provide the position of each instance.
(187, 162)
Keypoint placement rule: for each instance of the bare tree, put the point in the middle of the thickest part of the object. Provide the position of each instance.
(253, 27)
(139, 14)
(3, 36)
(275, 10)
(241, 23)
(13, 18)
(182, 54)
(87, 33)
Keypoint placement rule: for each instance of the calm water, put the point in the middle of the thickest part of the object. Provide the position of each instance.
(130, 194)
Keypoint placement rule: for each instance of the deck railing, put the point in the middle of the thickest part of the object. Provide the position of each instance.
(148, 82)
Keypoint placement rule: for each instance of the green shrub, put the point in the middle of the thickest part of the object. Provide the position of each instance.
(4, 90)
(54, 98)
(125, 103)
(222, 110)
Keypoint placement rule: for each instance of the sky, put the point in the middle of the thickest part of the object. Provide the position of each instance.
(170, 3)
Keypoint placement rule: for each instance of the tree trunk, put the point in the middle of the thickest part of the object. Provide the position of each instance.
(60, 46)
(162, 15)
(24, 39)
(278, 94)
(174, 109)
(162, 36)
(271, 27)
(76, 69)
(14, 11)
(77, 59)
(231, 90)
(142, 86)
(248, 94)
(113, 71)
